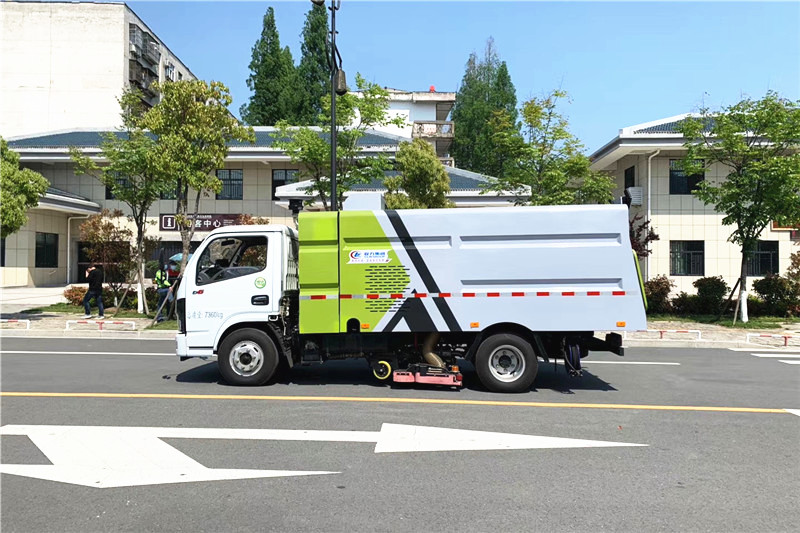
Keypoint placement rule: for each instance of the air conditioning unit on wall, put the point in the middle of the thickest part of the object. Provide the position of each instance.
(636, 195)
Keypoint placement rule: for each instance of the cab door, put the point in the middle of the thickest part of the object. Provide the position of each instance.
(235, 279)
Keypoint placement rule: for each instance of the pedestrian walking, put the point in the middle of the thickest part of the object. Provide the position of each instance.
(94, 275)
(164, 288)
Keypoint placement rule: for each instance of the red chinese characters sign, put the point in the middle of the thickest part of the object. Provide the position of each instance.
(202, 222)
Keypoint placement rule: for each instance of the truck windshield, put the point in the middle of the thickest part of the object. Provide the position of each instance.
(231, 257)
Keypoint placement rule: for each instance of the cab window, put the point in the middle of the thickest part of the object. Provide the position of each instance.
(231, 257)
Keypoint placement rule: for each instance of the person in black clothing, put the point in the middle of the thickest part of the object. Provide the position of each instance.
(94, 275)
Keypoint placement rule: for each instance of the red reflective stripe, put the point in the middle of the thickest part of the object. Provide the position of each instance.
(421, 295)
(373, 296)
(346, 296)
(542, 294)
(468, 295)
(517, 294)
(618, 293)
(396, 296)
(567, 294)
(444, 295)
(317, 296)
(493, 294)
(593, 293)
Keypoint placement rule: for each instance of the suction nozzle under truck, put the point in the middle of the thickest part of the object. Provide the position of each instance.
(411, 291)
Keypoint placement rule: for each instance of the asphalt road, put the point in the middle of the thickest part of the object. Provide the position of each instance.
(721, 453)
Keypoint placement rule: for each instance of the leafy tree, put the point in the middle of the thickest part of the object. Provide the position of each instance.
(109, 245)
(313, 73)
(757, 142)
(547, 166)
(355, 113)
(20, 190)
(423, 179)
(486, 88)
(131, 174)
(272, 79)
(192, 126)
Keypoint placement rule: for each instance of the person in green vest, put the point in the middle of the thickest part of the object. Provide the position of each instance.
(164, 288)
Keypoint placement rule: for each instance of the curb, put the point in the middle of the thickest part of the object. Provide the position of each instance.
(166, 334)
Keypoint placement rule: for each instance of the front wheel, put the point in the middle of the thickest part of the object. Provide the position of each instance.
(506, 363)
(247, 357)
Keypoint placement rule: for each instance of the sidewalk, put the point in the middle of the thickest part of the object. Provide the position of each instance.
(660, 334)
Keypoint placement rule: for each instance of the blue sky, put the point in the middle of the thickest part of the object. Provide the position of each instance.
(623, 63)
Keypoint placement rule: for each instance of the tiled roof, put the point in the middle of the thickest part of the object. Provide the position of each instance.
(65, 194)
(460, 180)
(91, 139)
(668, 127)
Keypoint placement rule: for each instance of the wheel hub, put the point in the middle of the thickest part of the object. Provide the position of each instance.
(246, 358)
(507, 363)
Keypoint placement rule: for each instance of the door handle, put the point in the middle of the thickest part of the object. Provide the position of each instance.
(261, 299)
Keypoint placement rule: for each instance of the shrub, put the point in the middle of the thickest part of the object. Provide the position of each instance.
(686, 304)
(781, 296)
(151, 293)
(74, 295)
(711, 292)
(657, 291)
(756, 306)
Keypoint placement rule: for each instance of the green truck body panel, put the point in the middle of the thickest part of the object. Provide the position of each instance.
(319, 256)
(359, 232)
(326, 268)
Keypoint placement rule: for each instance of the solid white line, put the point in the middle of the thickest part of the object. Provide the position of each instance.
(793, 411)
(627, 363)
(793, 362)
(762, 349)
(790, 355)
(81, 353)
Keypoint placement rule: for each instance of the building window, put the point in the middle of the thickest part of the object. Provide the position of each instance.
(679, 182)
(686, 258)
(122, 181)
(169, 72)
(46, 250)
(630, 177)
(231, 184)
(764, 259)
(282, 177)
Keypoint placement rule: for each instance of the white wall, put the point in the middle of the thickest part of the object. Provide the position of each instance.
(685, 218)
(62, 66)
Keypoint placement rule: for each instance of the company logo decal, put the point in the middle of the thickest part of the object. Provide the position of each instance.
(260, 283)
(369, 257)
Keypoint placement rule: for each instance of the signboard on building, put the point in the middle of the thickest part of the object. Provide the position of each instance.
(202, 222)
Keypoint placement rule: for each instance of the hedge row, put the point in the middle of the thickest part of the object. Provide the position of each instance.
(74, 295)
(777, 296)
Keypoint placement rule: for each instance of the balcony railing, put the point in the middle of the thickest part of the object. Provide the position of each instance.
(141, 78)
(433, 129)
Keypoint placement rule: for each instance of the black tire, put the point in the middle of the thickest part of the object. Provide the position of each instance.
(506, 363)
(247, 357)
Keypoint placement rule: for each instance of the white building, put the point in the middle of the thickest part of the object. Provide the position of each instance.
(65, 64)
(693, 242)
(425, 115)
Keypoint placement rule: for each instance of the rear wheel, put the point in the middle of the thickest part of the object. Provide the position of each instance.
(247, 357)
(506, 363)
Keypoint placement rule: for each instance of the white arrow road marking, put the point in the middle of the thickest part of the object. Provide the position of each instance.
(789, 362)
(106, 456)
(793, 411)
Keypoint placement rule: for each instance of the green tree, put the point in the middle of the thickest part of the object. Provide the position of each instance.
(486, 88)
(355, 113)
(20, 190)
(422, 179)
(313, 73)
(193, 127)
(272, 79)
(131, 174)
(109, 244)
(757, 142)
(546, 166)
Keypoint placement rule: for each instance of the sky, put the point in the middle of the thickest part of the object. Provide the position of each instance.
(623, 63)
